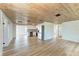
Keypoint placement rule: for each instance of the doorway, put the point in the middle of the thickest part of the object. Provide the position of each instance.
(31, 34)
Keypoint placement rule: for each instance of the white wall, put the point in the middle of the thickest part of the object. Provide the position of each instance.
(70, 30)
(49, 30)
(1, 34)
(10, 31)
(7, 30)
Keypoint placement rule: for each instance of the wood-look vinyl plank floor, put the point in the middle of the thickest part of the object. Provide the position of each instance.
(35, 47)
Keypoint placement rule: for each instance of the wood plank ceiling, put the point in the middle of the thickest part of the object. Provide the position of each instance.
(30, 13)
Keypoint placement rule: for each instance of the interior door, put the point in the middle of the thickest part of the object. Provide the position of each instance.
(31, 34)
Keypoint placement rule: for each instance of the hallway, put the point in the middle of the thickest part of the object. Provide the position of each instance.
(21, 23)
(32, 46)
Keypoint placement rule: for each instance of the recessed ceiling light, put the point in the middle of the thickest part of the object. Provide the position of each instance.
(57, 15)
(40, 20)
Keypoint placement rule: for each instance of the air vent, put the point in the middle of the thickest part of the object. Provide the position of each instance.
(57, 15)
